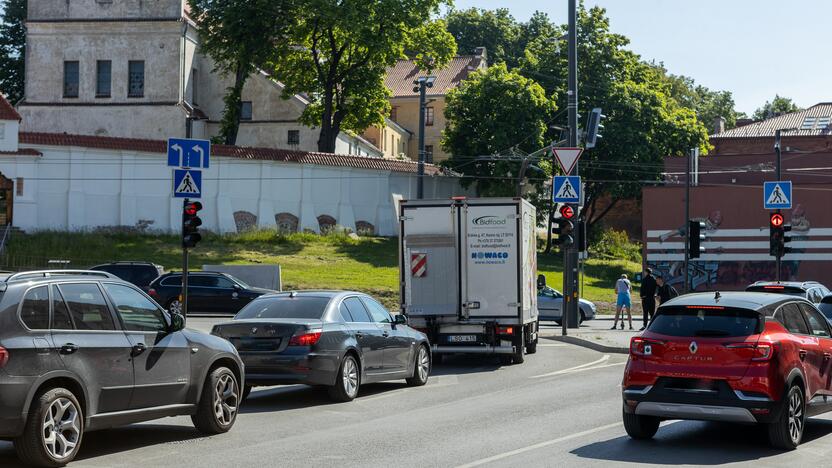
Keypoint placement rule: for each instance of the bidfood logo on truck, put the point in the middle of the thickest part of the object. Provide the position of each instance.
(489, 221)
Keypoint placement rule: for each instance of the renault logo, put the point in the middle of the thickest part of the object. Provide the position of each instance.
(254, 330)
(693, 347)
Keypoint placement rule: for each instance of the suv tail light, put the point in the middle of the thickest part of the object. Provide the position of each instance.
(761, 351)
(152, 293)
(640, 346)
(306, 339)
(4, 356)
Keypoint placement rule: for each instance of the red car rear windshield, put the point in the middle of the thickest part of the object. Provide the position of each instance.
(705, 321)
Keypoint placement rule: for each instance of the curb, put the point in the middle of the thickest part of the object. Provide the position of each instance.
(589, 344)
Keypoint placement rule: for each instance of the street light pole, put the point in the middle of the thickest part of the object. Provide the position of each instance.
(422, 83)
(570, 258)
(779, 154)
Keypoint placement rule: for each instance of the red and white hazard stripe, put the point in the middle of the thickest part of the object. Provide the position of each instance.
(418, 264)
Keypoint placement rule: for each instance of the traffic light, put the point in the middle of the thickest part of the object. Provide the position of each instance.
(594, 127)
(695, 238)
(583, 243)
(777, 235)
(565, 226)
(191, 224)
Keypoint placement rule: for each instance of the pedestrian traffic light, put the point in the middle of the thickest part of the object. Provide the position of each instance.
(191, 224)
(695, 238)
(777, 236)
(565, 226)
(594, 127)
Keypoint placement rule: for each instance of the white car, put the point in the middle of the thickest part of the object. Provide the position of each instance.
(550, 306)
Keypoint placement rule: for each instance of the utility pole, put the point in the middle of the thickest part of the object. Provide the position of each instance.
(687, 221)
(779, 258)
(422, 83)
(570, 257)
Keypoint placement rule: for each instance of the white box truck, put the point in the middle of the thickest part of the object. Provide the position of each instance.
(468, 274)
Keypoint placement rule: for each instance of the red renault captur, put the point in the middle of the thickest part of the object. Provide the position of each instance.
(740, 357)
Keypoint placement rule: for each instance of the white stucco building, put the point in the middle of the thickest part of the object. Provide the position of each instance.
(133, 68)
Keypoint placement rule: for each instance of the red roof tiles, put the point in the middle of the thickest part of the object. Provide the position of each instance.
(239, 152)
(7, 112)
(400, 76)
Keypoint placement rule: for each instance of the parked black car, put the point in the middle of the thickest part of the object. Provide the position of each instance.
(208, 292)
(84, 350)
(339, 339)
(139, 273)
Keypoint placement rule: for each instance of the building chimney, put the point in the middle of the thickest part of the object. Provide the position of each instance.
(719, 125)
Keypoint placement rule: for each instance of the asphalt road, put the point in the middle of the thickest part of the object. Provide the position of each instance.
(561, 408)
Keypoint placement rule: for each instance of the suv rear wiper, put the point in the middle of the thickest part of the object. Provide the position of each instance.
(711, 333)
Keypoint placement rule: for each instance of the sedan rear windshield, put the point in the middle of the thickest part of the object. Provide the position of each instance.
(776, 289)
(706, 321)
(285, 307)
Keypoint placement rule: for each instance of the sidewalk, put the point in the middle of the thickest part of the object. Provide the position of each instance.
(595, 334)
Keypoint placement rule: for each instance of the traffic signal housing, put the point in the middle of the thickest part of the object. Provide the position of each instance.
(594, 127)
(695, 238)
(564, 226)
(583, 243)
(190, 224)
(777, 235)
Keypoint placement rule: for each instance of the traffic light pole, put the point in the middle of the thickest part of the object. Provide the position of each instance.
(184, 300)
(570, 257)
(779, 257)
(687, 224)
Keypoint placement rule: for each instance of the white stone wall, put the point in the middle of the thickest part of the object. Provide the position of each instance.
(9, 135)
(72, 188)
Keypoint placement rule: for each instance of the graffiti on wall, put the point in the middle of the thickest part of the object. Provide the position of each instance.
(710, 274)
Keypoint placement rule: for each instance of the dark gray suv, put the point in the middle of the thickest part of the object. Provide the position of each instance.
(84, 350)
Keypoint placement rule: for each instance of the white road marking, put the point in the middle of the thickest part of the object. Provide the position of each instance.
(552, 345)
(540, 445)
(604, 359)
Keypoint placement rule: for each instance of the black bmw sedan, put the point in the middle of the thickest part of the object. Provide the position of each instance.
(339, 339)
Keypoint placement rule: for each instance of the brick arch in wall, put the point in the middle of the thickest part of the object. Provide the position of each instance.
(365, 228)
(326, 223)
(245, 220)
(286, 222)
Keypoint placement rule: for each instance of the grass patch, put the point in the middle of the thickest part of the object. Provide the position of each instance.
(309, 261)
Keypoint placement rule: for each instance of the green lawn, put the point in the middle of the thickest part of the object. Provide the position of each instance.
(366, 264)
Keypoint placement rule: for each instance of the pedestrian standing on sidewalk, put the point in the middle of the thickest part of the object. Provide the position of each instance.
(665, 292)
(648, 296)
(622, 291)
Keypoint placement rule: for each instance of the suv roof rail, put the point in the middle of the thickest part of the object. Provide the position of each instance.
(48, 273)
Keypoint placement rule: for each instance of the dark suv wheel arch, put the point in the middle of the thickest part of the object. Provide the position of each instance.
(56, 379)
(221, 360)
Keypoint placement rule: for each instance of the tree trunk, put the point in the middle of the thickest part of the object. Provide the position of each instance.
(329, 130)
(233, 107)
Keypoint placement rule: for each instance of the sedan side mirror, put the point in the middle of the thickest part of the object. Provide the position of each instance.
(400, 319)
(177, 322)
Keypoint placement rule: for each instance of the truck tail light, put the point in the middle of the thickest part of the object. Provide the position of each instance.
(306, 339)
(505, 330)
(762, 351)
(640, 346)
(4, 356)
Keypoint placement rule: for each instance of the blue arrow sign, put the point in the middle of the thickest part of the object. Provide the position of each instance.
(187, 183)
(186, 152)
(567, 189)
(777, 195)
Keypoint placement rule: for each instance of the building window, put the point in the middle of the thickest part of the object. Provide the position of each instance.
(19, 187)
(429, 153)
(294, 137)
(393, 113)
(428, 116)
(71, 78)
(245, 110)
(135, 86)
(103, 78)
(193, 86)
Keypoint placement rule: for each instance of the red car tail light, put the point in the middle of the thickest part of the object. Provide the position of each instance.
(4, 356)
(640, 346)
(505, 330)
(152, 293)
(306, 339)
(761, 351)
(774, 287)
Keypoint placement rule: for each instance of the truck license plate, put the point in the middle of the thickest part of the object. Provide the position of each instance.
(462, 338)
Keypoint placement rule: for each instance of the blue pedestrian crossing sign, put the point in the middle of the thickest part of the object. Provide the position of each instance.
(187, 183)
(777, 195)
(567, 189)
(188, 153)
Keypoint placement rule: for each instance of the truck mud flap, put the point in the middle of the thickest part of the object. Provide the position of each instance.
(488, 349)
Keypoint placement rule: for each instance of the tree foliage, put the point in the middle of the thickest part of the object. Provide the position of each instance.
(341, 50)
(240, 36)
(13, 49)
(493, 110)
(708, 104)
(778, 106)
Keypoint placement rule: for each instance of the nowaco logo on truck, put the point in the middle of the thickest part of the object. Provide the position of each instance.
(489, 221)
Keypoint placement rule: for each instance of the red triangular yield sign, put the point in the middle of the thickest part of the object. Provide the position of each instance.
(567, 157)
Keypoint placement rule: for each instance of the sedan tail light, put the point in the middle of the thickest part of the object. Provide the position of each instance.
(4, 356)
(152, 293)
(640, 346)
(762, 351)
(306, 339)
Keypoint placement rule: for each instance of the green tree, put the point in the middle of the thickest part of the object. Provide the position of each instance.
(496, 30)
(708, 104)
(240, 36)
(12, 49)
(493, 110)
(340, 53)
(777, 106)
(644, 122)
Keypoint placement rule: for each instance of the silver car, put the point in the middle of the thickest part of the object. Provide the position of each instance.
(550, 306)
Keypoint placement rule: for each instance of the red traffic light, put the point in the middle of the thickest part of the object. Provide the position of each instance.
(192, 208)
(566, 212)
(776, 220)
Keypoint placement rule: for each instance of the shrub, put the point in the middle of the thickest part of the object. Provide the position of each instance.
(617, 245)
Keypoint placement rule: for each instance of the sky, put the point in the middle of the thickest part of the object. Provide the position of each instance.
(753, 48)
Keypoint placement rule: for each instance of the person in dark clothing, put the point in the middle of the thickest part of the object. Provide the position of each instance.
(648, 296)
(665, 292)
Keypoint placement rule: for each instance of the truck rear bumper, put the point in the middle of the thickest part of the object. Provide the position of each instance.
(484, 349)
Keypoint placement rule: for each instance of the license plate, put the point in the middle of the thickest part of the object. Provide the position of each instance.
(462, 338)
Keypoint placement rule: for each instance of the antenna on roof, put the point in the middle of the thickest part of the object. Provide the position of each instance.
(717, 295)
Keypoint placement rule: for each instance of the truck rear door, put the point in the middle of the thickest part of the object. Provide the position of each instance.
(490, 259)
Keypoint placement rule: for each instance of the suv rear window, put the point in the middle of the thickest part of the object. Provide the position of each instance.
(285, 307)
(706, 321)
(778, 289)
